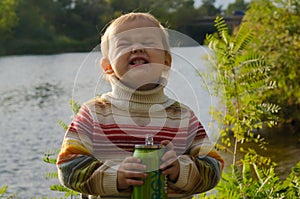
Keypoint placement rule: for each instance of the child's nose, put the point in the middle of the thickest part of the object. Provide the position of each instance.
(137, 48)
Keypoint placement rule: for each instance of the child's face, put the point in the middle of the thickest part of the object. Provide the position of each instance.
(137, 55)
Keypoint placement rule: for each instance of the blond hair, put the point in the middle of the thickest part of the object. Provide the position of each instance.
(131, 17)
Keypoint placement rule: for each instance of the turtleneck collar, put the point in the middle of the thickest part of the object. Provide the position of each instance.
(126, 98)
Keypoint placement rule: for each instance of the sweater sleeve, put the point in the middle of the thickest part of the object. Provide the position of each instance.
(200, 166)
(78, 169)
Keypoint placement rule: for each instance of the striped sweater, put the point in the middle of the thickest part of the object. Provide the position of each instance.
(106, 129)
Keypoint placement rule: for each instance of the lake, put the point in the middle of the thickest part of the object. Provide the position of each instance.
(35, 91)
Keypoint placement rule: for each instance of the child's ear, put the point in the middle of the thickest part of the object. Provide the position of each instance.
(106, 67)
(168, 59)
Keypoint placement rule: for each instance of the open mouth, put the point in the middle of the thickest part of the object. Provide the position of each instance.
(138, 61)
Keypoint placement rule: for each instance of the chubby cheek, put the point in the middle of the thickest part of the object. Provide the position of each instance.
(120, 66)
(158, 56)
(116, 54)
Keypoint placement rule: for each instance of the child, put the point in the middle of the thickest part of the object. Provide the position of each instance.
(96, 155)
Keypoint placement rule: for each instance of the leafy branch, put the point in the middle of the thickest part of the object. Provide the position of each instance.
(50, 158)
(239, 77)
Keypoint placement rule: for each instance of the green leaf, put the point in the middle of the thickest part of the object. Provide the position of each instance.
(222, 28)
(50, 175)
(59, 188)
(3, 190)
(62, 124)
(242, 39)
(47, 157)
(75, 106)
(49, 160)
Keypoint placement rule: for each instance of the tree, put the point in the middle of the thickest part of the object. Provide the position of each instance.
(276, 25)
(208, 9)
(238, 5)
(8, 19)
(81, 19)
(36, 20)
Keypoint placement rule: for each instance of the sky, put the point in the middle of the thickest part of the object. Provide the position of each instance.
(223, 3)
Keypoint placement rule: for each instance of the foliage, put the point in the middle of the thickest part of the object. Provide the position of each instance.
(276, 27)
(257, 183)
(53, 26)
(239, 78)
(8, 20)
(51, 159)
(3, 193)
(238, 5)
(8, 17)
(208, 9)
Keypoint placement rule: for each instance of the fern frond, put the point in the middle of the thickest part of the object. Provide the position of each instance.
(246, 171)
(62, 124)
(258, 173)
(238, 175)
(49, 160)
(221, 26)
(75, 106)
(59, 188)
(250, 61)
(242, 39)
(253, 72)
(221, 147)
(47, 157)
(3, 190)
(254, 79)
(51, 175)
(268, 107)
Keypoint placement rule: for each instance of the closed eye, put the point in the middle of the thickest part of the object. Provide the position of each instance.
(149, 44)
(122, 44)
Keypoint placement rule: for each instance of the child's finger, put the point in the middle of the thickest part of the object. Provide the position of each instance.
(168, 159)
(134, 182)
(132, 159)
(132, 164)
(134, 175)
(169, 155)
(135, 167)
(169, 145)
(169, 170)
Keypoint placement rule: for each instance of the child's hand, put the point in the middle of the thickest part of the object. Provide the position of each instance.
(130, 172)
(170, 165)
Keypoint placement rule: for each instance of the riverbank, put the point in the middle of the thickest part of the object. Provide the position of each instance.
(283, 147)
(47, 47)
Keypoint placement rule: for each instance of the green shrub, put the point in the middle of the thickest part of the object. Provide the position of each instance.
(239, 78)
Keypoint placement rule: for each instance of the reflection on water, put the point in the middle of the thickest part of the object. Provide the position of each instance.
(41, 95)
(283, 148)
(44, 93)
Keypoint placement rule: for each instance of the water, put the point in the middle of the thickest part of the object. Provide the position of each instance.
(35, 91)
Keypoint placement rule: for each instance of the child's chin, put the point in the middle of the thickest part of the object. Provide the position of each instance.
(142, 83)
(138, 66)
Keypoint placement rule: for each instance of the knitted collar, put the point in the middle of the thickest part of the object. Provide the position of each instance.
(127, 98)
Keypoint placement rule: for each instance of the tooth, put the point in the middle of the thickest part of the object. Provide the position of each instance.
(139, 61)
